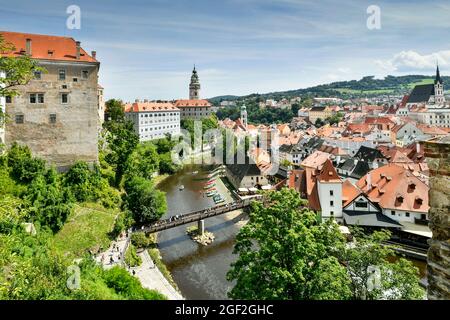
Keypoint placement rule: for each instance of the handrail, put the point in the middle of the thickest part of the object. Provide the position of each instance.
(195, 216)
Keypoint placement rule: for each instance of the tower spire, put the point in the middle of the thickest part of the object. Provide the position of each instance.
(438, 74)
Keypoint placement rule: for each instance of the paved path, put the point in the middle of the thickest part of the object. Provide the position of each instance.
(152, 278)
(114, 255)
(147, 273)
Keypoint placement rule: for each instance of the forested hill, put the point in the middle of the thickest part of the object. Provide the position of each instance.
(367, 86)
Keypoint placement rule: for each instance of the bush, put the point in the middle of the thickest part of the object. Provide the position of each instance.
(24, 168)
(131, 257)
(49, 203)
(141, 240)
(125, 284)
(146, 203)
(88, 185)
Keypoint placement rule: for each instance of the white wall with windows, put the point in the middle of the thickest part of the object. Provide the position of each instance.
(330, 198)
(155, 124)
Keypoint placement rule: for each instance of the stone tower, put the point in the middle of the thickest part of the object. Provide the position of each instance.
(439, 97)
(244, 116)
(194, 86)
(438, 261)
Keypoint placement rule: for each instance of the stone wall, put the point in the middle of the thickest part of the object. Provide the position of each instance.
(438, 154)
(74, 135)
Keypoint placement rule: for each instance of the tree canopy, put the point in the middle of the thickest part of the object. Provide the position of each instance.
(285, 252)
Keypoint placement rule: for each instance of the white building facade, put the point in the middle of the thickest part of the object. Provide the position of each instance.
(153, 120)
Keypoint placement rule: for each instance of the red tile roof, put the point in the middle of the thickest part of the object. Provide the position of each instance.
(45, 47)
(328, 173)
(394, 187)
(349, 192)
(150, 107)
(192, 103)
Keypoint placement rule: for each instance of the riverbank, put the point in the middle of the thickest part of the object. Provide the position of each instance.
(152, 278)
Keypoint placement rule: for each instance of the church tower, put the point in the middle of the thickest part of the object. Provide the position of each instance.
(439, 97)
(194, 86)
(244, 116)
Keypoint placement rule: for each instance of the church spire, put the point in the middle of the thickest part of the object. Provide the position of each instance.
(438, 76)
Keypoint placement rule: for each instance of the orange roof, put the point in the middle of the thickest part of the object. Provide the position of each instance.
(378, 120)
(150, 107)
(427, 129)
(358, 128)
(395, 187)
(328, 173)
(45, 47)
(192, 103)
(349, 192)
(315, 160)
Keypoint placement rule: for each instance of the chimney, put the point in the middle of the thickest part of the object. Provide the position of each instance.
(78, 43)
(145, 100)
(94, 54)
(28, 47)
(369, 182)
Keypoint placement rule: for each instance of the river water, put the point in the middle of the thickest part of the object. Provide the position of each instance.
(199, 271)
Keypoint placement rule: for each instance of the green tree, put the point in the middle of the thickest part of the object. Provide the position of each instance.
(144, 161)
(285, 253)
(18, 70)
(399, 280)
(24, 168)
(145, 202)
(122, 141)
(115, 110)
(49, 203)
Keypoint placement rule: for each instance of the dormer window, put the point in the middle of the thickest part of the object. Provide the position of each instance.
(50, 53)
(400, 198)
(412, 186)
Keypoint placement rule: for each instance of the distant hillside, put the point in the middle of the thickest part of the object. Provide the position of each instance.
(366, 87)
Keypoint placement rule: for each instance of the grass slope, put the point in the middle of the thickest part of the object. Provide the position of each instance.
(87, 228)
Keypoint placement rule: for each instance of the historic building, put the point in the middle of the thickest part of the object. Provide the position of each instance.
(194, 108)
(432, 93)
(56, 113)
(153, 120)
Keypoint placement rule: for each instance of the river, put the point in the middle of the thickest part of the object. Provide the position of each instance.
(199, 271)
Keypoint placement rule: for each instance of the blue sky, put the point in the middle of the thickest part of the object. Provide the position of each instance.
(147, 48)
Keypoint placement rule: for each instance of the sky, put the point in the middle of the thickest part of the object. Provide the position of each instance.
(147, 48)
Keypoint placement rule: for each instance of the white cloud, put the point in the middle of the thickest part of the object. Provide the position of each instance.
(406, 61)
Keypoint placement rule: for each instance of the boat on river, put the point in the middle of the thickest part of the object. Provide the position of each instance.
(181, 187)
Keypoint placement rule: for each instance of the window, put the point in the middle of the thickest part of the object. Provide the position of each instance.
(361, 204)
(8, 99)
(62, 74)
(331, 213)
(32, 98)
(37, 75)
(84, 74)
(40, 98)
(53, 118)
(19, 118)
(64, 98)
(407, 214)
(64, 86)
(331, 192)
(331, 203)
(392, 213)
(75, 79)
